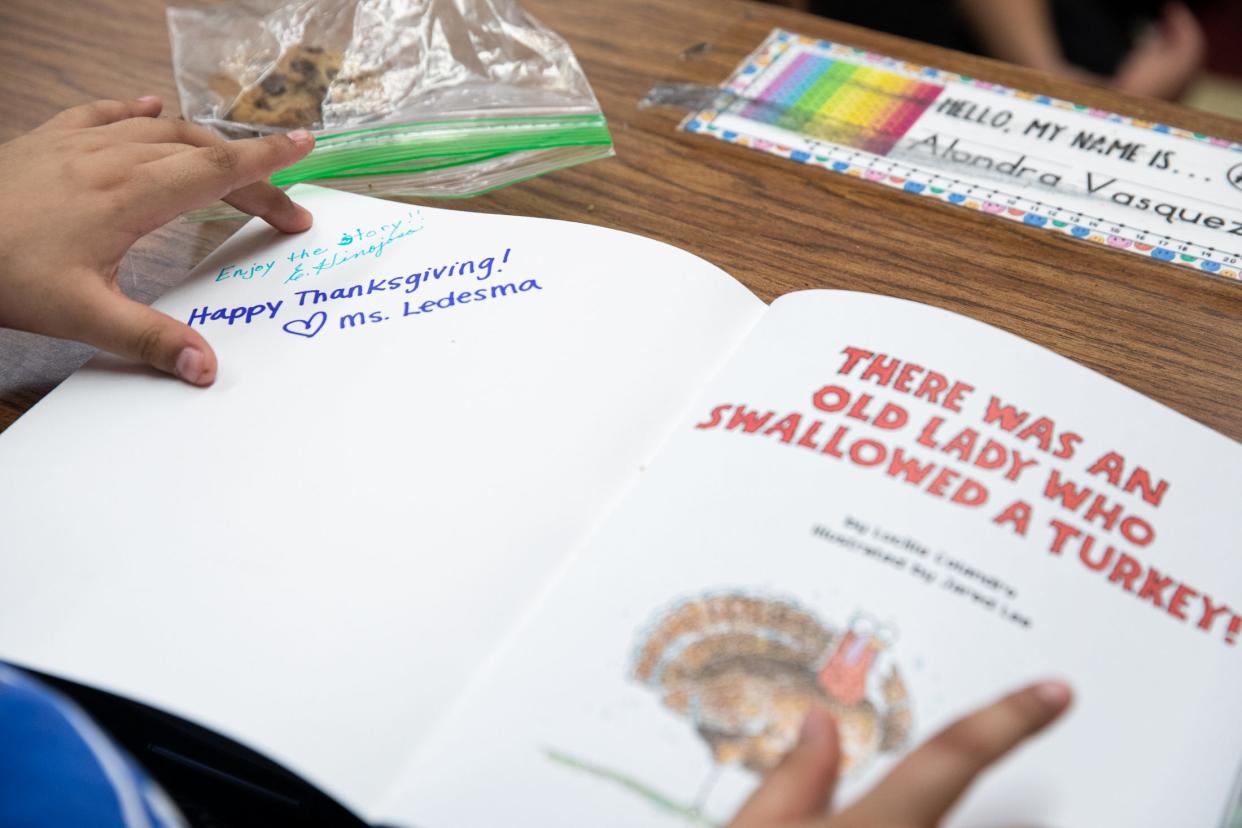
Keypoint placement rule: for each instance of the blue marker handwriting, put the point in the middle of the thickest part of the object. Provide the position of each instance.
(241, 313)
(361, 319)
(306, 327)
(464, 279)
(497, 291)
(482, 269)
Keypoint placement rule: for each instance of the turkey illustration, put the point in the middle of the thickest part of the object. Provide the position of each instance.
(745, 670)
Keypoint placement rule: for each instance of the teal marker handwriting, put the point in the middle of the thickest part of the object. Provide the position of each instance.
(356, 243)
(347, 245)
(258, 269)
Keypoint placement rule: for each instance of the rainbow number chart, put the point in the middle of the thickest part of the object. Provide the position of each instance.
(842, 102)
(1144, 187)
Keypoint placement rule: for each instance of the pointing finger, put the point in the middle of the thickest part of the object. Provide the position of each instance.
(187, 180)
(271, 204)
(152, 139)
(927, 783)
(800, 787)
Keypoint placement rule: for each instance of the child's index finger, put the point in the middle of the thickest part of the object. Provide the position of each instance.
(188, 180)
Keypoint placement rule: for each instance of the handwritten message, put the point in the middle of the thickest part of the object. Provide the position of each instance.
(306, 312)
(350, 245)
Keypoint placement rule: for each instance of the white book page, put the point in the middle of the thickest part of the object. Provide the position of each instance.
(757, 568)
(313, 555)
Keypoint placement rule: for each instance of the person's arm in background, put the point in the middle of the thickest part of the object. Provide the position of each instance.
(78, 191)
(1166, 58)
(1018, 31)
(1160, 65)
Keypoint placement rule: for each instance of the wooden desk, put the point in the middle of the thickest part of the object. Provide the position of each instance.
(1165, 331)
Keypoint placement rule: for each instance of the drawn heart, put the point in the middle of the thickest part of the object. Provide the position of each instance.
(993, 207)
(956, 198)
(307, 327)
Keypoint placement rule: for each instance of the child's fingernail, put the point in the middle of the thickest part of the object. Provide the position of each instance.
(300, 136)
(816, 727)
(1053, 693)
(190, 364)
(149, 99)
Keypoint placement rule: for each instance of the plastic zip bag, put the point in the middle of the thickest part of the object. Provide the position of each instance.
(445, 98)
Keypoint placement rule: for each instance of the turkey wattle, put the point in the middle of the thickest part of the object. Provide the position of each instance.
(745, 670)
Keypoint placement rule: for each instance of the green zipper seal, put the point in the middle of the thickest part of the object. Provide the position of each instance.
(433, 145)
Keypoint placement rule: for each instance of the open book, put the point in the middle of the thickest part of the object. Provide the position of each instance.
(502, 520)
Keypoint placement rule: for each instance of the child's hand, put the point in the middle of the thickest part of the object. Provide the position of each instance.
(82, 188)
(919, 791)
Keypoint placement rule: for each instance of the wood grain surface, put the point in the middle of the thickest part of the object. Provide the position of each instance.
(1168, 332)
